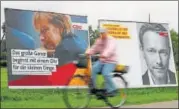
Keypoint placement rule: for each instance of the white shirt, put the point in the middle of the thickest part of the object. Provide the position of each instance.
(151, 80)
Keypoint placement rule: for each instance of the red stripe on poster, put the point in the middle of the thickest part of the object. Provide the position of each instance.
(60, 77)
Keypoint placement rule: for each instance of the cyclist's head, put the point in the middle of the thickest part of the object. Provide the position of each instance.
(103, 32)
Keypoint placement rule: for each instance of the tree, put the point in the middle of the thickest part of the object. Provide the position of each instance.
(174, 38)
(93, 34)
(3, 45)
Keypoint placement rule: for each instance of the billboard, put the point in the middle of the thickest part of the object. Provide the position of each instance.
(42, 46)
(147, 49)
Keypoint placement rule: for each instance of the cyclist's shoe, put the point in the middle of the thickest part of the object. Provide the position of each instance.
(112, 93)
(93, 91)
(100, 94)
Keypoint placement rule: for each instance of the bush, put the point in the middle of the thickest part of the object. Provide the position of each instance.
(3, 63)
(3, 56)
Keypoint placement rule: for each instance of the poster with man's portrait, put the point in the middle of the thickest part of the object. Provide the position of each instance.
(158, 67)
(147, 49)
(42, 47)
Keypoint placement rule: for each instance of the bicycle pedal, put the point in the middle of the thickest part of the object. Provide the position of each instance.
(102, 90)
(93, 90)
(100, 97)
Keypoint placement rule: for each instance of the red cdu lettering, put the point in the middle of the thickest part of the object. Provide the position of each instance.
(78, 27)
(165, 34)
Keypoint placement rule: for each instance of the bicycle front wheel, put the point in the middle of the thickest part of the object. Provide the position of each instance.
(76, 94)
(119, 98)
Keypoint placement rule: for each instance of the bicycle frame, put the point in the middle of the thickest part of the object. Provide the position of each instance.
(82, 71)
(87, 72)
(82, 78)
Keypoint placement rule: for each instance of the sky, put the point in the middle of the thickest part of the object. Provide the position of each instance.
(160, 11)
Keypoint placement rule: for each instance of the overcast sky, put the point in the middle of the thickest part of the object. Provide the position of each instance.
(161, 11)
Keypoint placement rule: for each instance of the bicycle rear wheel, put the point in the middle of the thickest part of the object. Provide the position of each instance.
(76, 94)
(120, 97)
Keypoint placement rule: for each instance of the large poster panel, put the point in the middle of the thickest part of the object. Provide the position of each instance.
(42, 47)
(157, 61)
(146, 48)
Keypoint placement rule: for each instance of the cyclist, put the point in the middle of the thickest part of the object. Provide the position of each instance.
(106, 46)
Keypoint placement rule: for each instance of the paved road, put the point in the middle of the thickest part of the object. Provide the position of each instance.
(168, 104)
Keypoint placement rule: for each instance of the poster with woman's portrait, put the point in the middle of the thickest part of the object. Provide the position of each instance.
(42, 47)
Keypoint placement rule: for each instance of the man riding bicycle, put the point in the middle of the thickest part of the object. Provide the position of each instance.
(106, 46)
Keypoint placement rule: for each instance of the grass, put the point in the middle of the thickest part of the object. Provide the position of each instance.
(52, 98)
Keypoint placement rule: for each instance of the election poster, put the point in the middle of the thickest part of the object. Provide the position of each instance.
(147, 49)
(157, 60)
(42, 47)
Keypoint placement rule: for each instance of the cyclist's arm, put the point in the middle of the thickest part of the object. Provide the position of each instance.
(94, 48)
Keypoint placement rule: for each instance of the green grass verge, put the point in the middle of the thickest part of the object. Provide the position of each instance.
(52, 98)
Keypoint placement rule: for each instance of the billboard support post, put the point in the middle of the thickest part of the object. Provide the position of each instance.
(3, 30)
(4, 34)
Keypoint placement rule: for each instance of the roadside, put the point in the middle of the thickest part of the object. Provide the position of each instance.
(166, 104)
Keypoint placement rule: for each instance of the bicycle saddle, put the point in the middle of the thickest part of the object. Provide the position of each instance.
(121, 69)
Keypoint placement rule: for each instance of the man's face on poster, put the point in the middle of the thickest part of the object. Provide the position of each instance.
(156, 53)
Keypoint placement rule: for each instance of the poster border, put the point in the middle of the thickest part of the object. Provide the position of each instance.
(130, 21)
(43, 11)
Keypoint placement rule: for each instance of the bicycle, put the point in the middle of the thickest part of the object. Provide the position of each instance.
(84, 94)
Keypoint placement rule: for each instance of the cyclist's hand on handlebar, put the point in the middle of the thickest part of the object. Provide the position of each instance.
(87, 55)
(102, 56)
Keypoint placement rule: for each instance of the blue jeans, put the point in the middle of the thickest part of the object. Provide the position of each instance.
(105, 69)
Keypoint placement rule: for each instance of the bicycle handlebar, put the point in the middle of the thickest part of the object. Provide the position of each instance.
(119, 68)
(85, 56)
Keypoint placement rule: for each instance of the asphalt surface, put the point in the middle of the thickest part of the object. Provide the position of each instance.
(167, 104)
